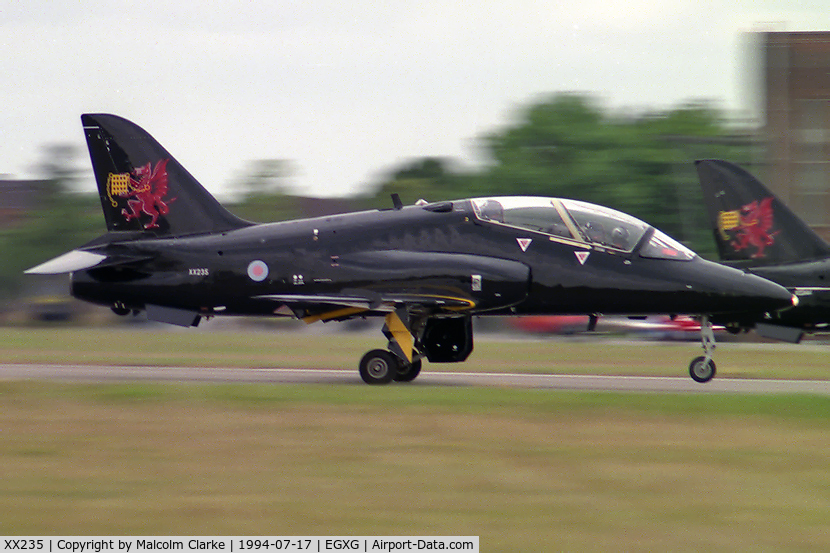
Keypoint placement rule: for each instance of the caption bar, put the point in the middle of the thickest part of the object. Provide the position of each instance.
(236, 544)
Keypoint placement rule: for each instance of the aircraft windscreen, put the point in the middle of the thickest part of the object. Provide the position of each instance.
(663, 246)
(606, 226)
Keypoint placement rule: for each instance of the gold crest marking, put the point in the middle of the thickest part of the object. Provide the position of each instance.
(118, 184)
(728, 220)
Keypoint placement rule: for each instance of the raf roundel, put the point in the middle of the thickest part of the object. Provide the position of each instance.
(257, 270)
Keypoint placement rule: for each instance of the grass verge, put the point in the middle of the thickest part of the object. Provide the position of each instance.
(524, 469)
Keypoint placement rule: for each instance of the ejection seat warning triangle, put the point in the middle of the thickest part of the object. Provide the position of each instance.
(582, 257)
(524, 243)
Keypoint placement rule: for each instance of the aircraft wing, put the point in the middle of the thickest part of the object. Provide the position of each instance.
(312, 308)
(427, 281)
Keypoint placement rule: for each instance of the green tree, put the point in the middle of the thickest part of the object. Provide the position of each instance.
(426, 178)
(263, 192)
(569, 146)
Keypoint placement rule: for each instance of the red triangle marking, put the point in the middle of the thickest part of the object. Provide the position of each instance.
(524, 243)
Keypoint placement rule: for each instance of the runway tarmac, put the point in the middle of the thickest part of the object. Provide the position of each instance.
(97, 373)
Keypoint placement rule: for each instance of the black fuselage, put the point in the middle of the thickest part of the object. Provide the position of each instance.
(434, 251)
(174, 252)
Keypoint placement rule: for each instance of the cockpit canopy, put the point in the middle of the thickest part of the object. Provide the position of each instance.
(575, 221)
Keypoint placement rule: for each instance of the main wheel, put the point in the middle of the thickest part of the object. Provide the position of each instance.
(378, 367)
(408, 373)
(702, 370)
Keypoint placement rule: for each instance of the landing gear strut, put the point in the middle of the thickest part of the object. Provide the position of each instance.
(702, 369)
(401, 363)
(412, 338)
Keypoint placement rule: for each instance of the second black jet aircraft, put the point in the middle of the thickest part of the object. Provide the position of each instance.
(173, 251)
(755, 231)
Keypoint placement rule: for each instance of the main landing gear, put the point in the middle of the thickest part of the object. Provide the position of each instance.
(380, 366)
(412, 338)
(401, 363)
(702, 369)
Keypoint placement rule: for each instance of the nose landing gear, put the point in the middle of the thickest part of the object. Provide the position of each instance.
(702, 369)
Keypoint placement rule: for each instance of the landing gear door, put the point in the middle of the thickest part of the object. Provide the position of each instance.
(448, 340)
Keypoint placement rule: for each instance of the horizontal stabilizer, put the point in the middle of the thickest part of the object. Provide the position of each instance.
(77, 260)
(66, 263)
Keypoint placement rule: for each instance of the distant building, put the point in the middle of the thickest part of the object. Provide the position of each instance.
(796, 69)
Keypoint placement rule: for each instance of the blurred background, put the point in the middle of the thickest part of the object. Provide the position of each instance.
(303, 109)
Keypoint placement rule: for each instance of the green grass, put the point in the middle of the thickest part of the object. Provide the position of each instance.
(527, 470)
(278, 348)
(524, 469)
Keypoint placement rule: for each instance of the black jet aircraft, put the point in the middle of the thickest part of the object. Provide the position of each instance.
(174, 252)
(755, 231)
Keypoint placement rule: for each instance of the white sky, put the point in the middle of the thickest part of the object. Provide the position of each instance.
(348, 90)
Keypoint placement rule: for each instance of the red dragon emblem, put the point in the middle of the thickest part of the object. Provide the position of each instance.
(145, 187)
(753, 228)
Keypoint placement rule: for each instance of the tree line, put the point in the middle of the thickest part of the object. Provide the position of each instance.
(569, 146)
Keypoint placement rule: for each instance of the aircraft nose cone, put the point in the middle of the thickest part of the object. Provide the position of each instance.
(729, 290)
(760, 294)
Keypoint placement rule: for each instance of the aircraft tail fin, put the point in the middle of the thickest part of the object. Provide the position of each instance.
(143, 188)
(749, 222)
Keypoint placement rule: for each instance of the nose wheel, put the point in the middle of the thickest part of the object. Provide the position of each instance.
(702, 369)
